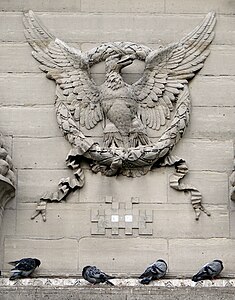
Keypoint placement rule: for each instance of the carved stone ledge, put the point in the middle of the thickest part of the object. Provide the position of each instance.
(7, 178)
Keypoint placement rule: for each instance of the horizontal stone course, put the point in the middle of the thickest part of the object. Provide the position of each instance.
(201, 6)
(51, 252)
(37, 121)
(212, 122)
(119, 254)
(126, 27)
(44, 153)
(212, 185)
(15, 89)
(40, 5)
(131, 6)
(18, 58)
(187, 256)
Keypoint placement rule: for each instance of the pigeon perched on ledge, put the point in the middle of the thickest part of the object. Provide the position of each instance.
(23, 267)
(209, 271)
(94, 275)
(155, 271)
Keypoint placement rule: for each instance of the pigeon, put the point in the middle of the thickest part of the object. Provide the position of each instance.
(209, 270)
(156, 270)
(94, 275)
(23, 267)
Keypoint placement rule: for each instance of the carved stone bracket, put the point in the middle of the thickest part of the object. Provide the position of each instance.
(232, 182)
(121, 216)
(7, 178)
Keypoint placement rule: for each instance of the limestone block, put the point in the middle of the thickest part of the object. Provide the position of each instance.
(144, 28)
(177, 221)
(42, 153)
(150, 188)
(29, 122)
(9, 222)
(63, 220)
(220, 61)
(26, 89)
(33, 183)
(121, 255)
(205, 154)
(57, 256)
(191, 6)
(17, 58)
(188, 255)
(212, 122)
(212, 185)
(40, 5)
(212, 91)
(131, 6)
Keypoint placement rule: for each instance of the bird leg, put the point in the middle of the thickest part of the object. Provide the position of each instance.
(112, 136)
(138, 134)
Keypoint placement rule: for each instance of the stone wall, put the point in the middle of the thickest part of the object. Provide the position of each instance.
(66, 241)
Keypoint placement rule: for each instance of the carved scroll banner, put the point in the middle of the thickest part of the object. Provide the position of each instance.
(7, 178)
(158, 102)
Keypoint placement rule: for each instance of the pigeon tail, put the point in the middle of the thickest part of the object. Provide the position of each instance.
(145, 280)
(109, 282)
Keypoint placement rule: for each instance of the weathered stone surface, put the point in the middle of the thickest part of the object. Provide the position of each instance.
(37, 121)
(212, 122)
(122, 293)
(217, 225)
(119, 254)
(190, 6)
(15, 91)
(131, 6)
(212, 185)
(63, 220)
(44, 153)
(149, 188)
(194, 253)
(123, 25)
(17, 58)
(209, 91)
(205, 154)
(23, 5)
(33, 183)
(53, 260)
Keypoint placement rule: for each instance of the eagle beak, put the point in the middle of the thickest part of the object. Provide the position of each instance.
(126, 60)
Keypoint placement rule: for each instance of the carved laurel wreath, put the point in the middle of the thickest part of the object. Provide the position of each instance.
(132, 161)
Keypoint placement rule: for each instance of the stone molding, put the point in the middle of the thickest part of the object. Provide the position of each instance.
(125, 282)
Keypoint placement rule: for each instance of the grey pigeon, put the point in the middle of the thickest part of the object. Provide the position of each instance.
(209, 271)
(23, 267)
(155, 271)
(94, 275)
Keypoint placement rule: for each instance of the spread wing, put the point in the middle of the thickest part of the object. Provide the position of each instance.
(68, 67)
(167, 71)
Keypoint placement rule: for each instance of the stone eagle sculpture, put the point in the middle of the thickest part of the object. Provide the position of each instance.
(159, 100)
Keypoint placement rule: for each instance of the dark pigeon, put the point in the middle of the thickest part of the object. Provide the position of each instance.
(155, 271)
(94, 275)
(23, 267)
(209, 271)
